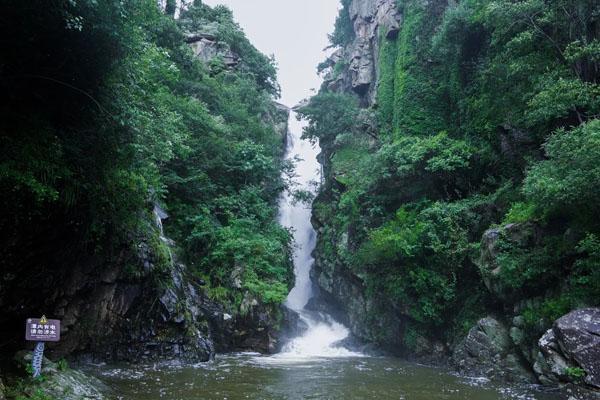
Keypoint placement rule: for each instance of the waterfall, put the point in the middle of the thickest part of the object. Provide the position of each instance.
(159, 216)
(323, 333)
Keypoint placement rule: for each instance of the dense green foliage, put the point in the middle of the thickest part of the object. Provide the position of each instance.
(106, 110)
(486, 114)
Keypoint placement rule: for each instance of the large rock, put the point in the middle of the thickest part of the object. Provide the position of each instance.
(572, 344)
(60, 383)
(578, 335)
(488, 350)
(550, 364)
(519, 235)
(258, 326)
(206, 47)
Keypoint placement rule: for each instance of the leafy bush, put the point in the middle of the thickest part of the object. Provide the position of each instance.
(418, 258)
(329, 115)
(568, 182)
(520, 212)
(343, 32)
(257, 257)
(575, 373)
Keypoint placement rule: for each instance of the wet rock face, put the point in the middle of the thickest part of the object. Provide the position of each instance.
(570, 347)
(98, 297)
(342, 295)
(154, 313)
(488, 350)
(129, 304)
(174, 326)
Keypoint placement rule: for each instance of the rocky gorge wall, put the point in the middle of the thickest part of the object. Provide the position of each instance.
(135, 305)
(132, 300)
(508, 342)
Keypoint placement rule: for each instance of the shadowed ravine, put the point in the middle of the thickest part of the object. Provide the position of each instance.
(310, 366)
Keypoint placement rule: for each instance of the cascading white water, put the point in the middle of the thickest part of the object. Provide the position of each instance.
(296, 215)
(323, 332)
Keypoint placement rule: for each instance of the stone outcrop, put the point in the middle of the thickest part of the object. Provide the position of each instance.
(489, 351)
(570, 350)
(372, 20)
(206, 47)
(521, 235)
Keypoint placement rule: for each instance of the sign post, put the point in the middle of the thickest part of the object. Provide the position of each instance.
(36, 362)
(41, 330)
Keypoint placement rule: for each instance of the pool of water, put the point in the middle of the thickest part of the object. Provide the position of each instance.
(252, 376)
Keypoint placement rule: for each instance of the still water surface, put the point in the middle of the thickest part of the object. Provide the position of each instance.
(250, 376)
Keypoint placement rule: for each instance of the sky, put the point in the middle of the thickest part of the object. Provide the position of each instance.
(295, 31)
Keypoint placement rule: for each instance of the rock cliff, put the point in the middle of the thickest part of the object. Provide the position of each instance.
(508, 341)
(354, 66)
